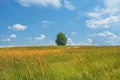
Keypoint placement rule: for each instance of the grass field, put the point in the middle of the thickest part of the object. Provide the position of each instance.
(60, 63)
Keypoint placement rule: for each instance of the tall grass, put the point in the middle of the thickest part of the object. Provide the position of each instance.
(60, 63)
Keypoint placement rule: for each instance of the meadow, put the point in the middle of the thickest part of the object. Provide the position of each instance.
(60, 63)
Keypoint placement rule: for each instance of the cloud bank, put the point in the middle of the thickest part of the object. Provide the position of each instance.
(45, 3)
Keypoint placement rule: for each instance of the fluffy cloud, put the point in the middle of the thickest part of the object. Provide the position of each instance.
(45, 3)
(107, 34)
(105, 16)
(74, 33)
(68, 5)
(97, 13)
(45, 23)
(89, 41)
(40, 38)
(8, 39)
(104, 38)
(13, 36)
(103, 23)
(112, 6)
(18, 27)
(69, 41)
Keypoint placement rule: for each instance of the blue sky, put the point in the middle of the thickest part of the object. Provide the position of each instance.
(36, 22)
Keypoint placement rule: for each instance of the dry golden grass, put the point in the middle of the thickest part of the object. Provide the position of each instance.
(20, 53)
(60, 63)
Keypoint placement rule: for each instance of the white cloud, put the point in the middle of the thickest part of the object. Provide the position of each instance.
(97, 13)
(74, 33)
(107, 34)
(45, 23)
(18, 27)
(93, 14)
(6, 40)
(52, 42)
(104, 38)
(86, 42)
(112, 6)
(105, 16)
(89, 41)
(13, 36)
(9, 39)
(69, 41)
(68, 5)
(40, 38)
(103, 23)
(45, 3)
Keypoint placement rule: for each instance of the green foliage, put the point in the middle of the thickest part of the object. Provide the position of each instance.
(61, 39)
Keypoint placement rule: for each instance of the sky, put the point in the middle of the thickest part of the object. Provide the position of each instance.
(37, 22)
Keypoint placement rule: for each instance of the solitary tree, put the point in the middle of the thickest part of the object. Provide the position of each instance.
(61, 39)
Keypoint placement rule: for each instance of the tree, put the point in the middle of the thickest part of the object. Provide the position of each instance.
(61, 39)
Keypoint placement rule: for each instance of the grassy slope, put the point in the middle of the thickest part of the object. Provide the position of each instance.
(60, 63)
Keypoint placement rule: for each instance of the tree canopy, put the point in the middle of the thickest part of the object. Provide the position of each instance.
(61, 39)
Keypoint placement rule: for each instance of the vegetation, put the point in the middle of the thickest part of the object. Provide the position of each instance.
(60, 63)
(61, 39)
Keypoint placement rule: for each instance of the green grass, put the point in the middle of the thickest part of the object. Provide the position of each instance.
(70, 63)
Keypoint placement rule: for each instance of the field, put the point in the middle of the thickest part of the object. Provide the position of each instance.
(60, 63)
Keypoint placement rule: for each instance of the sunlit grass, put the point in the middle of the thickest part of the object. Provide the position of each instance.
(60, 63)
